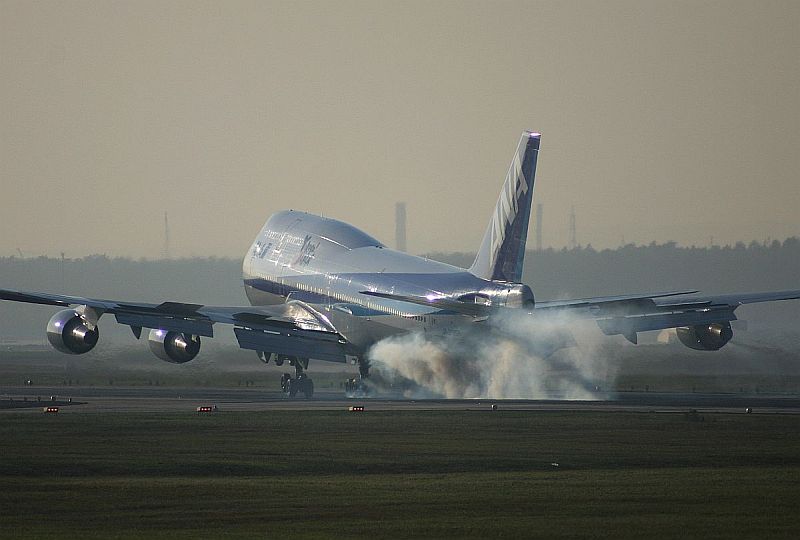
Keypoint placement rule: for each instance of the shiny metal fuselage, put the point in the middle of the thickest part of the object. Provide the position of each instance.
(328, 263)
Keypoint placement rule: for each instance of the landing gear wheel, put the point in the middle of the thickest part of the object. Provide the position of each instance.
(355, 388)
(286, 381)
(302, 383)
(363, 368)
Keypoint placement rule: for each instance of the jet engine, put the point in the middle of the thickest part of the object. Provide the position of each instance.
(706, 337)
(71, 333)
(174, 347)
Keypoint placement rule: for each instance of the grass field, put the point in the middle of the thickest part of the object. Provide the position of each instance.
(398, 474)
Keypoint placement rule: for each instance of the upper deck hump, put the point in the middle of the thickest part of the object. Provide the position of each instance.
(330, 229)
(294, 242)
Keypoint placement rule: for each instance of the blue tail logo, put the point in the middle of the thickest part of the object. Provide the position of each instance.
(502, 251)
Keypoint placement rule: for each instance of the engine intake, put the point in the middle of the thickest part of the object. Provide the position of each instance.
(70, 333)
(174, 347)
(706, 337)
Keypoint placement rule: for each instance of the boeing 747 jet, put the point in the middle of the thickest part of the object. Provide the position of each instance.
(322, 289)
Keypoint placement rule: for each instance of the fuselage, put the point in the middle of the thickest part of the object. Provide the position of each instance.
(328, 263)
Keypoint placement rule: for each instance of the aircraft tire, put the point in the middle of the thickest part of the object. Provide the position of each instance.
(285, 382)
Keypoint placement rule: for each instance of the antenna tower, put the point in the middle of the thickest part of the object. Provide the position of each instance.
(573, 241)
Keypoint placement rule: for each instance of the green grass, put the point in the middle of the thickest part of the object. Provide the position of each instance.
(398, 474)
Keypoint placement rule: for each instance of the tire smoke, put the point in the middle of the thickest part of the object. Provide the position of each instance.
(512, 355)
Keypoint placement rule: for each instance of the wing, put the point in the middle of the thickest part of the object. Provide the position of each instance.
(292, 329)
(485, 310)
(626, 314)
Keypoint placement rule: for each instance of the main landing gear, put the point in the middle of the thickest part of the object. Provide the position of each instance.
(291, 386)
(301, 383)
(357, 388)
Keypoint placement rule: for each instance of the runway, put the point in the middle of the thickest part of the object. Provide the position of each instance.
(163, 399)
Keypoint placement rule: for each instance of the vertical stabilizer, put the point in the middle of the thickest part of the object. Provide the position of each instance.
(503, 248)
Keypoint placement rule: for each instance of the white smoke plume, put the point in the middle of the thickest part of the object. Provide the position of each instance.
(513, 355)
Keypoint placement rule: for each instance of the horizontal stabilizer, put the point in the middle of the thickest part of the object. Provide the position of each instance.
(464, 308)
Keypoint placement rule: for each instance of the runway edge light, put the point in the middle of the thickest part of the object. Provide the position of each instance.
(207, 408)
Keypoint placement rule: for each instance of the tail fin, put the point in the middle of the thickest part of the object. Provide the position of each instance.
(503, 248)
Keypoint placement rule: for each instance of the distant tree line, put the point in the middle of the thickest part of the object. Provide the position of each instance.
(585, 271)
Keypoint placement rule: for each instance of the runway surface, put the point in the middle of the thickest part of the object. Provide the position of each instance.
(161, 399)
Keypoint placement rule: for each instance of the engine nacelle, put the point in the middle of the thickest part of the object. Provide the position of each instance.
(173, 347)
(706, 337)
(71, 333)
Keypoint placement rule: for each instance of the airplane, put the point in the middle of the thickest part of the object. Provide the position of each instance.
(322, 289)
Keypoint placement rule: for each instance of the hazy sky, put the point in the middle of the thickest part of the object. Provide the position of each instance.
(660, 120)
